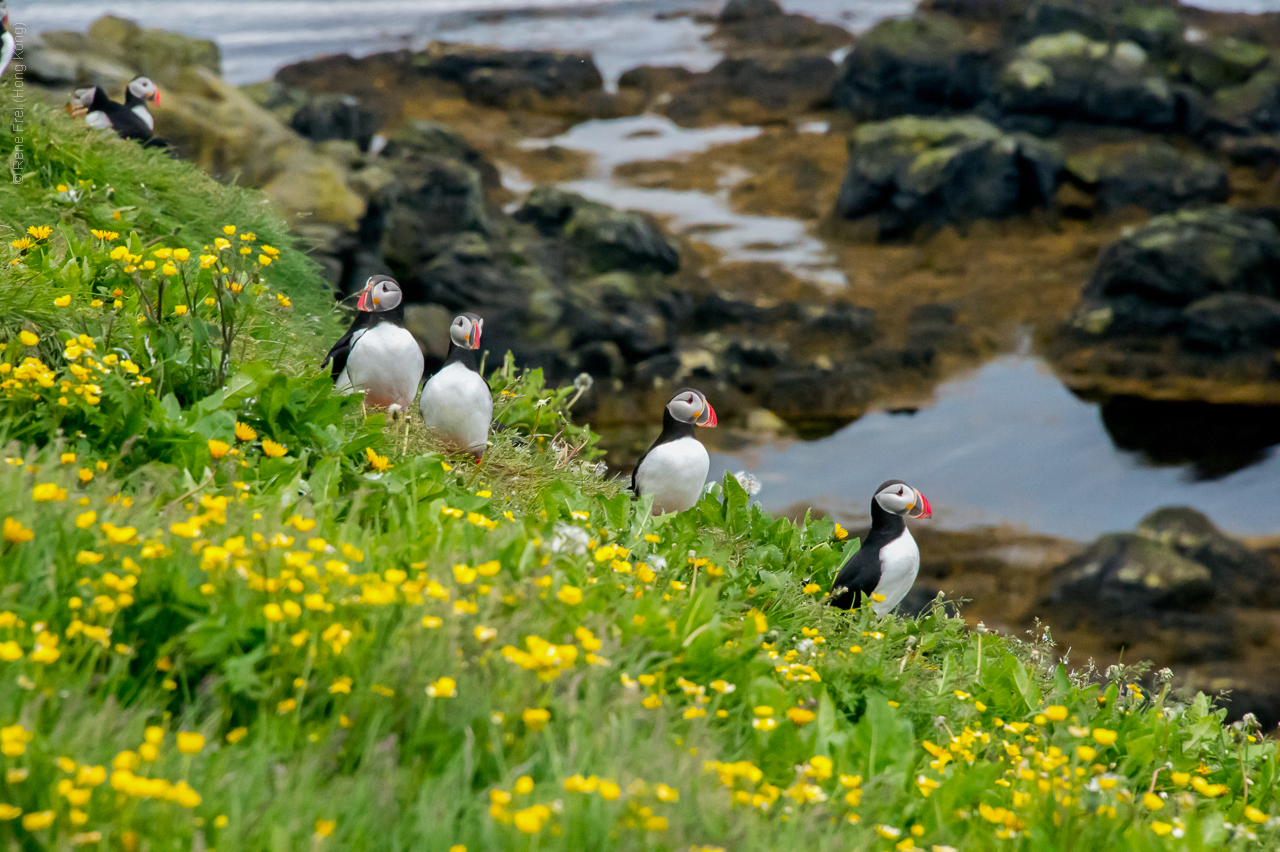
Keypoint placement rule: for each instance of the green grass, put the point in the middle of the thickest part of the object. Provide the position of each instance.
(391, 649)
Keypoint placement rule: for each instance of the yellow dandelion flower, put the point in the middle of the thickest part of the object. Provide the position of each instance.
(228, 229)
(217, 448)
(40, 232)
(272, 449)
(377, 462)
(245, 432)
(190, 742)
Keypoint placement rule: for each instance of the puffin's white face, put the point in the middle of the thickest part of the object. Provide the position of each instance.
(690, 406)
(145, 89)
(465, 331)
(381, 293)
(84, 97)
(899, 498)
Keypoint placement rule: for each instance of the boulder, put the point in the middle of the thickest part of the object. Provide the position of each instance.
(1070, 76)
(1130, 575)
(920, 65)
(1219, 62)
(506, 78)
(913, 171)
(165, 57)
(739, 11)
(756, 88)
(653, 79)
(1232, 322)
(432, 199)
(50, 66)
(1145, 282)
(606, 238)
(1155, 176)
(328, 117)
(432, 137)
(763, 24)
(313, 187)
(1238, 572)
(1253, 106)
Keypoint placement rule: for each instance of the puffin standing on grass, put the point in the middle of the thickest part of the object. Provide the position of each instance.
(674, 470)
(105, 114)
(886, 565)
(456, 402)
(136, 97)
(378, 355)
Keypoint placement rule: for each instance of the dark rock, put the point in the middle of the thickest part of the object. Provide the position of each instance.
(919, 65)
(1232, 322)
(932, 329)
(620, 308)
(1221, 62)
(737, 11)
(911, 171)
(817, 400)
(652, 79)
(1254, 150)
(1145, 281)
(1070, 76)
(507, 78)
(327, 117)
(720, 309)
(849, 324)
(607, 238)
(1060, 16)
(1238, 572)
(433, 198)
(1251, 107)
(780, 85)
(1155, 176)
(1132, 575)
(431, 137)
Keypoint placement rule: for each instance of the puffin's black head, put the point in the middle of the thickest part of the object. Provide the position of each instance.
(465, 331)
(380, 293)
(144, 90)
(690, 406)
(899, 498)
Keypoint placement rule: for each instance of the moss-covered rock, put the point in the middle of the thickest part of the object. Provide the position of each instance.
(1153, 175)
(1251, 106)
(1220, 62)
(755, 89)
(910, 171)
(608, 239)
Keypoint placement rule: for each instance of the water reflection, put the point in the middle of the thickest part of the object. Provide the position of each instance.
(1009, 444)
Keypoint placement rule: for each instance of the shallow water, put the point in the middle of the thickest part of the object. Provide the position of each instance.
(1009, 444)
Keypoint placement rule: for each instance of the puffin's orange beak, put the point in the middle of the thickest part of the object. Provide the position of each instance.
(923, 509)
(708, 417)
(473, 338)
(155, 99)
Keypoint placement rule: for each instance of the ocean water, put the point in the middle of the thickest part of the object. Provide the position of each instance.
(259, 36)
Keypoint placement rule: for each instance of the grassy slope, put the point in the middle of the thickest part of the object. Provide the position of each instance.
(508, 656)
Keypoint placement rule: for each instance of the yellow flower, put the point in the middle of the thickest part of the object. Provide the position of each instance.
(264, 260)
(190, 742)
(1104, 736)
(272, 449)
(228, 229)
(570, 594)
(217, 448)
(169, 269)
(283, 300)
(535, 719)
(286, 706)
(40, 232)
(610, 791)
(1161, 828)
(8, 812)
(163, 253)
(16, 533)
(1254, 815)
(377, 462)
(27, 338)
(207, 260)
(22, 244)
(325, 827)
(235, 735)
(48, 491)
(1152, 801)
(180, 310)
(445, 687)
(273, 612)
(37, 820)
(105, 235)
(181, 254)
(1086, 753)
(244, 432)
(63, 301)
(431, 622)
(841, 533)
(800, 716)
(1056, 713)
(464, 574)
(270, 250)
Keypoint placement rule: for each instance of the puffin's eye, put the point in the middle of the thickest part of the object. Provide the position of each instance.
(899, 490)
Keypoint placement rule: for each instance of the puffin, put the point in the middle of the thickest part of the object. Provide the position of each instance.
(7, 44)
(139, 93)
(674, 469)
(105, 114)
(456, 402)
(888, 561)
(378, 355)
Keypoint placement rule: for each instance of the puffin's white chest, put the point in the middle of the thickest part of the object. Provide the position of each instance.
(458, 404)
(98, 120)
(143, 113)
(7, 47)
(386, 363)
(899, 564)
(674, 473)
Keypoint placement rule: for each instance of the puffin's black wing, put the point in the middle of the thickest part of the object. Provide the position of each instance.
(635, 489)
(125, 122)
(857, 578)
(342, 349)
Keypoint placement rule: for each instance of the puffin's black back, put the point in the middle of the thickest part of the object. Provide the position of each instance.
(672, 430)
(124, 121)
(861, 574)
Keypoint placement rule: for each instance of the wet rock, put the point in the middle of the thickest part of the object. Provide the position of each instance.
(1155, 176)
(757, 88)
(328, 117)
(1131, 575)
(168, 58)
(815, 399)
(508, 78)
(919, 65)
(653, 79)
(619, 308)
(851, 325)
(607, 238)
(1144, 282)
(1071, 76)
(913, 171)
(754, 24)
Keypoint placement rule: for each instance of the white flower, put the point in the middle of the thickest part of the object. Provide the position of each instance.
(567, 538)
(749, 483)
